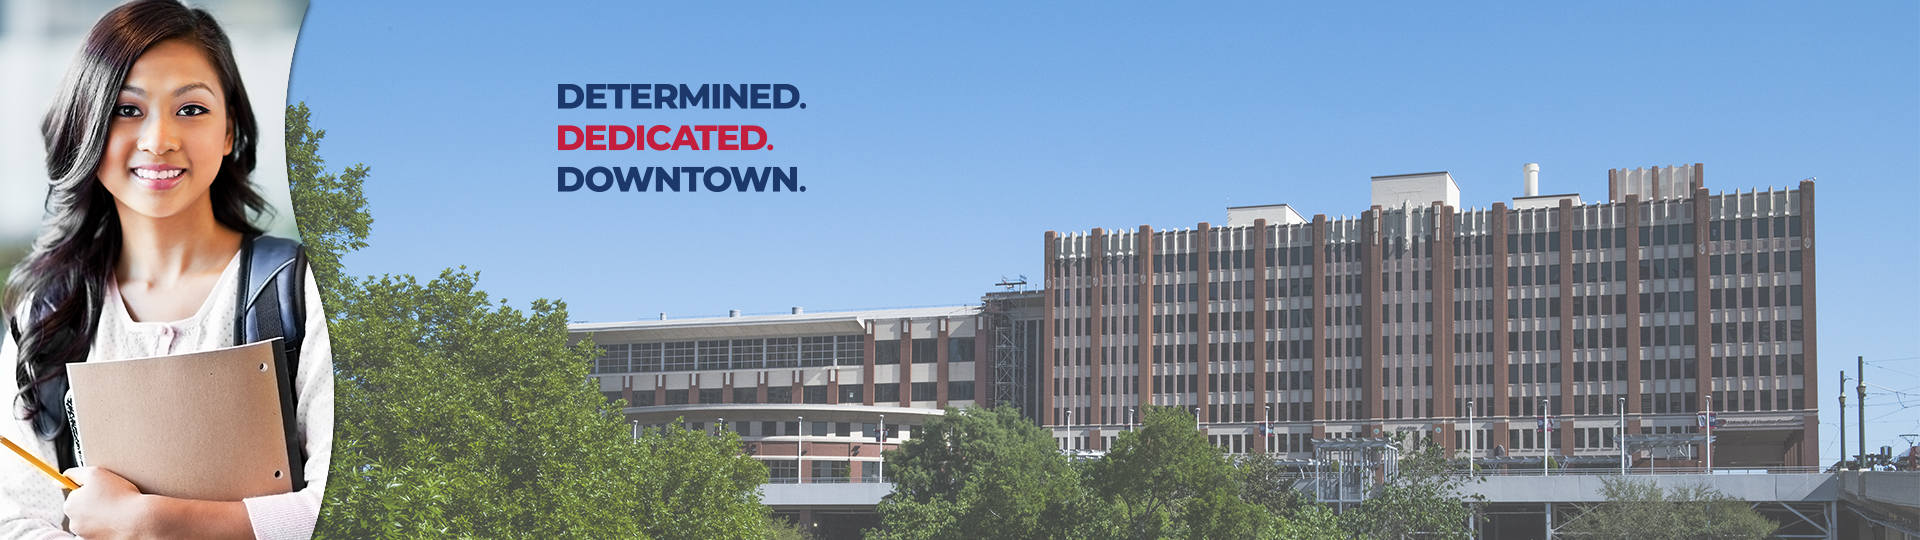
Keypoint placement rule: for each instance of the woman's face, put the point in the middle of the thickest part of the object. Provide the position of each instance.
(167, 134)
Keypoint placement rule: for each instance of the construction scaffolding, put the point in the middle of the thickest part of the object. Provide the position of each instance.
(1014, 346)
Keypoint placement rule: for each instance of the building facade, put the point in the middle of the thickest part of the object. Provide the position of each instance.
(846, 386)
(1469, 327)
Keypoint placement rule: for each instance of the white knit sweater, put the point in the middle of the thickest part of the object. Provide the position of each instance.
(30, 503)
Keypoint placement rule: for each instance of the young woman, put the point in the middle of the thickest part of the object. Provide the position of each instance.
(149, 142)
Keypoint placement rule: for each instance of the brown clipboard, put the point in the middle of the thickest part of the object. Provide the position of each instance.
(213, 425)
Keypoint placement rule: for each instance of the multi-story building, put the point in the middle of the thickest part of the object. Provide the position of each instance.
(830, 381)
(1462, 325)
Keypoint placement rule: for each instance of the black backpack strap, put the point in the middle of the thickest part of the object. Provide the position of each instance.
(272, 304)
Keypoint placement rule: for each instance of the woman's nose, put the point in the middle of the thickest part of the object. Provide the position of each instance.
(158, 136)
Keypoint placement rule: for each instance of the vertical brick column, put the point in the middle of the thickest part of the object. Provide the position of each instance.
(1144, 253)
(906, 362)
(1810, 440)
(1445, 384)
(1323, 263)
(833, 386)
(1497, 309)
(1631, 212)
(1096, 329)
(1702, 288)
(626, 390)
(940, 362)
(866, 364)
(1048, 327)
(1262, 404)
(1203, 237)
(984, 340)
(1372, 267)
(726, 388)
(1564, 220)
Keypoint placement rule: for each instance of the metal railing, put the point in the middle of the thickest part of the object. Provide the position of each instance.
(828, 480)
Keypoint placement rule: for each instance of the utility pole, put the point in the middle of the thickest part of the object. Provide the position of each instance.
(1861, 368)
(1843, 421)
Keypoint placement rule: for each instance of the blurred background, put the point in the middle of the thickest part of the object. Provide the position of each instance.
(38, 39)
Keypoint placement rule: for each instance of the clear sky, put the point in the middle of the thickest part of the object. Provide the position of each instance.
(941, 142)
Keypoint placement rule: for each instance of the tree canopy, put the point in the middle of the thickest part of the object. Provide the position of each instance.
(1640, 510)
(461, 416)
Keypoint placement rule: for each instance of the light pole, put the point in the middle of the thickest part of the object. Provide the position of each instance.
(883, 448)
(1546, 433)
(1471, 431)
(636, 430)
(1708, 416)
(1071, 440)
(1266, 433)
(1133, 413)
(1620, 436)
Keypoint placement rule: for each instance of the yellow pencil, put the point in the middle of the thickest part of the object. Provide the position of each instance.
(44, 467)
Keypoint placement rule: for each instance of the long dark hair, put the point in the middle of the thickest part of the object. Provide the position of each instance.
(55, 293)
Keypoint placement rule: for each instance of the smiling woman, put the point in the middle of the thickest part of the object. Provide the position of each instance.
(150, 144)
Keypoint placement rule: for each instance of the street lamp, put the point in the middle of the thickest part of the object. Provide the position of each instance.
(1546, 432)
(883, 448)
(1620, 436)
(1070, 439)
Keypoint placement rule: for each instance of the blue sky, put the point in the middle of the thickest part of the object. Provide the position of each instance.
(941, 142)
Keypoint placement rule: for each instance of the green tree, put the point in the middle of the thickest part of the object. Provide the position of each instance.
(1154, 473)
(329, 208)
(1422, 498)
(1641, 510)
(983, 473)
(460, 416)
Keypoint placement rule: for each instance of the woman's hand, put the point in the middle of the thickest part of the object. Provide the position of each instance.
(108, 507)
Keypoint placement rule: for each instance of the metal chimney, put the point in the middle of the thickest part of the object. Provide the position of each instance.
(733, 313)
(797, 311)
(1532, 171)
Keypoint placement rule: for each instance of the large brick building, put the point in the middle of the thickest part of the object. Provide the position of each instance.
(1419, 312)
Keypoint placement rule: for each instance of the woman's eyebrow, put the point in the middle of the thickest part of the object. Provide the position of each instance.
(190, 87)
(135, 90)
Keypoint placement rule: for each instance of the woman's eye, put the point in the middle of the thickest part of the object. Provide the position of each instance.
(126, 110)
(193, 110)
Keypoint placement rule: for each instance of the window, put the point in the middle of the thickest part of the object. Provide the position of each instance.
(852, 393)
(780, 394)
(709, 395)
(817, 351)
(676, 397)
(783, 352)
(926, 351)
(678, 355)
(642, 398)
(746, 395)
(713, 354)
(886, 393)
(783, 471)
(926, 391)
(815, 393)
(963, 390)
(852, 349)
(748, 354)
(960, 349)
(613, 359)
(886, 351)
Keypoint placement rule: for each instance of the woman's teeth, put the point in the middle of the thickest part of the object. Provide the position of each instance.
(151, 174)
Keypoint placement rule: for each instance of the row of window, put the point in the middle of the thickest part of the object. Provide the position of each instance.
(1755, 263)
(1760, 366)
(1756, 297)
(1758, 332)
(810, 351)
(812, 394)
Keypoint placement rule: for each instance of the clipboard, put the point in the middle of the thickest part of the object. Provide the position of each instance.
(215, 425)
